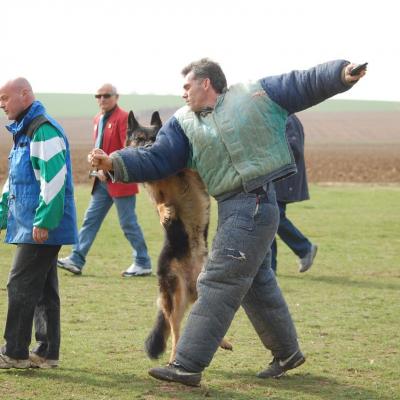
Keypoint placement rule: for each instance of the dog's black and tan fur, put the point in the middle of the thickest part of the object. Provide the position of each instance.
(183, 206)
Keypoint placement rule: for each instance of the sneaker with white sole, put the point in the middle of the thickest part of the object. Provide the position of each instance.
(41, 362)
(306, 262)
(68, 265)
(8, 362)
(277, 367)
(135, 270)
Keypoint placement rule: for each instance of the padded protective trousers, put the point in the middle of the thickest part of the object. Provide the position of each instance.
(238, 273)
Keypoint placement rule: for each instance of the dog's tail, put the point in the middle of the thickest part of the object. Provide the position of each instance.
(156, 342)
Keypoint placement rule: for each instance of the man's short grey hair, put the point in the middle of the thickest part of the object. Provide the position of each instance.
(114, 89)
(109, 87)
(206, 68)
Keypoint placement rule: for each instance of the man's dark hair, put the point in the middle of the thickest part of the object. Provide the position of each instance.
(205, 68)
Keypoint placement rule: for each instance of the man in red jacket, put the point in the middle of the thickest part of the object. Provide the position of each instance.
(109, 134)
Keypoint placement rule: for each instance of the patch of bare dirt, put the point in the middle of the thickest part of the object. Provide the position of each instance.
(340, 147)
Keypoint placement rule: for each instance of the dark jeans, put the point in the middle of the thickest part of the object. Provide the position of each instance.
(290, 235)
(33, 296)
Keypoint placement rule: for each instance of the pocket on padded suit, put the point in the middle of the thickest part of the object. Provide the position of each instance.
(245, 213)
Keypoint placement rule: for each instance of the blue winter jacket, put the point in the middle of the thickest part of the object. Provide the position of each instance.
(294, 91)
(25, 190)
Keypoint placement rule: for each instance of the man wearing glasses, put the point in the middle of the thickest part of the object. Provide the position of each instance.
(109, 134)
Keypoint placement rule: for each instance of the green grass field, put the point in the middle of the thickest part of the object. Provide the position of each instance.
(84, 105)
(346, 310)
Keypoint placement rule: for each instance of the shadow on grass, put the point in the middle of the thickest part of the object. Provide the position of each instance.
(114, 385)
(235, 385)
(345, 281)
(307, 385)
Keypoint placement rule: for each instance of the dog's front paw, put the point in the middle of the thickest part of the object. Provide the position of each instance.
(166, 213)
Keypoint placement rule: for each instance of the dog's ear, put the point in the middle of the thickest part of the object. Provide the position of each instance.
(156, 120)
(132, 122)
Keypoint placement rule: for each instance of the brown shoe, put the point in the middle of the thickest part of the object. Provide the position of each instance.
(41, 362)
(8, 362)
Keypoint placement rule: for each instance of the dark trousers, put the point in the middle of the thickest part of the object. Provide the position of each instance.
(290, 235)
(237, 273)
(33, 296)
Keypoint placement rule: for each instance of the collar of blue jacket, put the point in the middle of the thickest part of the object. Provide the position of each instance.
(36, 109)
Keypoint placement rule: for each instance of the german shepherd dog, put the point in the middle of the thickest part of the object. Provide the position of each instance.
(183, 206)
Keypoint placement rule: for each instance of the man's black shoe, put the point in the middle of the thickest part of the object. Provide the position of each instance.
(278, 367)
(174, 372)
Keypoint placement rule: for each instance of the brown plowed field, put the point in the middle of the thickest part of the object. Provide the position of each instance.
(352, 147)
(340, 147)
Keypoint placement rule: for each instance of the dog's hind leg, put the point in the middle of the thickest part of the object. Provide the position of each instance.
(225, 345)
(180, 303)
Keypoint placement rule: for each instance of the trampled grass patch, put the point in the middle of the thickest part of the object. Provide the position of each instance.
(346, 310)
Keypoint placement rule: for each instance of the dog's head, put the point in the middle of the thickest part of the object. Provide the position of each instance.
(142, 136)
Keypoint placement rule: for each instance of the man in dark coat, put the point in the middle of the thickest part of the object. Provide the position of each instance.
(291, 190)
